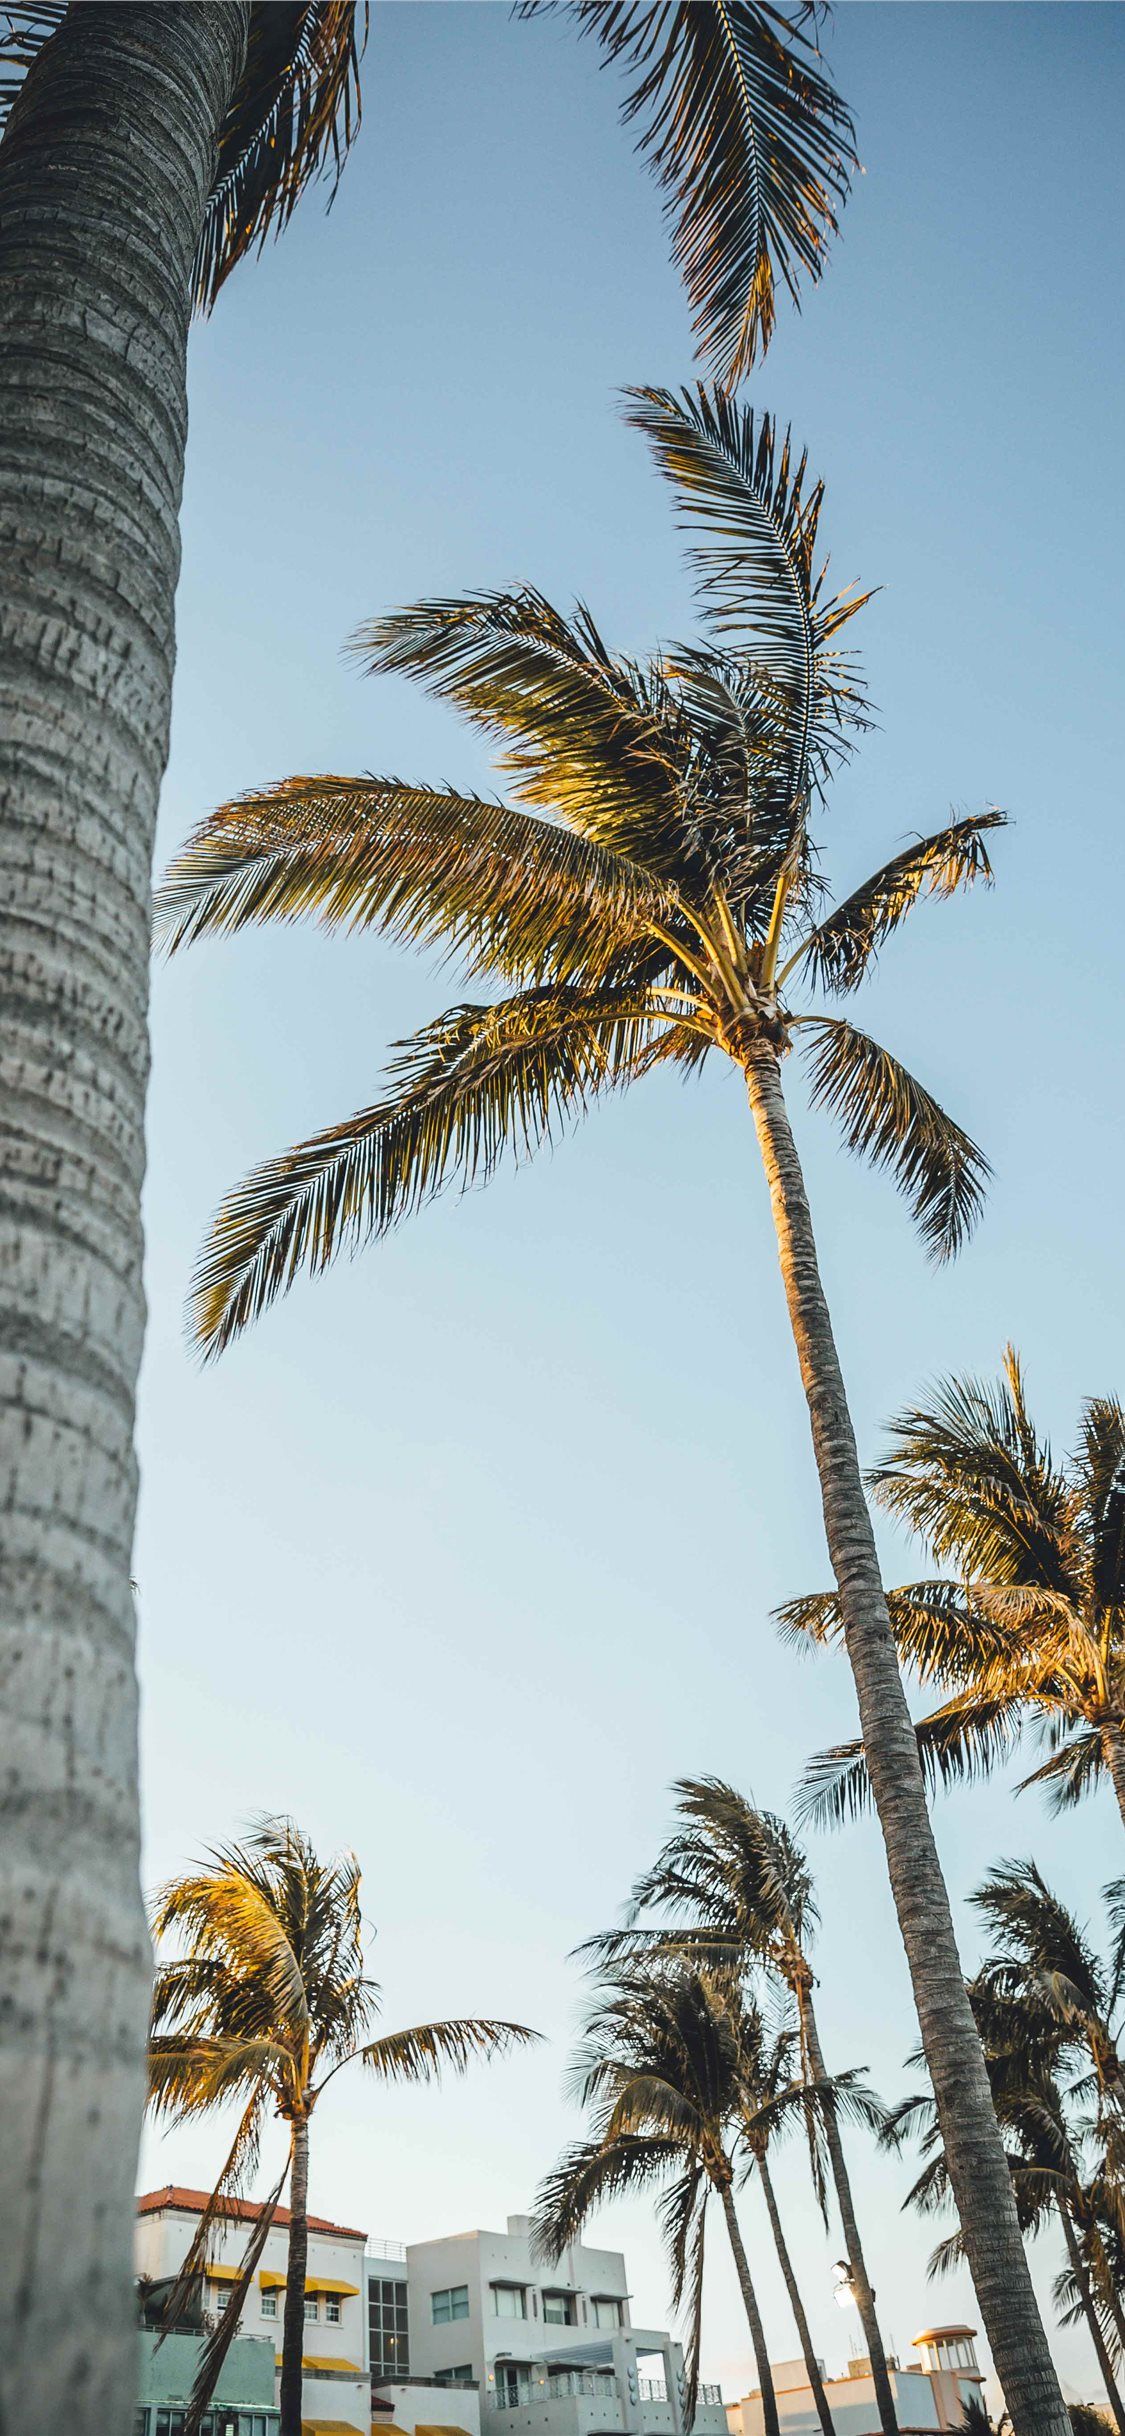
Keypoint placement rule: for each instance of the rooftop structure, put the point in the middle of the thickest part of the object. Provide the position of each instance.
(929, 2394)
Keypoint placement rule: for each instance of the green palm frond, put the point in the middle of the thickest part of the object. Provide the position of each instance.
(422, 2054)
(839, 952)
(890, 1119)
(1035, 1928)
(753, 147)
(592, 739)
(426, 866)
(742, 487)
(968, 1475)
(294, 117)
(481, 1082)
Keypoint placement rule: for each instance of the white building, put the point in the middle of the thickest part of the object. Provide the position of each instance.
(552, 2352)
(336, 2379)
(930, 2393)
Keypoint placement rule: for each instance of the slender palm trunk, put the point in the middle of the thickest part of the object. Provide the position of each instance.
(1113, 1744)
(841, 2181)
(808, 2355)
(297, 2264)
(977, 2165)
(1078, 2269)
(753, 2313)
(1106, 2285)
(105, 169)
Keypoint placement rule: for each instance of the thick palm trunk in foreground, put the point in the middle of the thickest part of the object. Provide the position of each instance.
(804, 2334)
(104, 174)
(977, 2165)
(753, 2313)
(296, 2270)
(841, 2182)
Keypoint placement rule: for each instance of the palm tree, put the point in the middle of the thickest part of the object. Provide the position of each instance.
(649, 895)
(144, 151)
(266, 2003)
(1032, 2036)
(767, 2076)
(741, 1886)
(1033, 1624)
(677, 2070)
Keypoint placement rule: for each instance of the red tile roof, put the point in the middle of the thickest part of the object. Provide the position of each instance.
(192, 2203)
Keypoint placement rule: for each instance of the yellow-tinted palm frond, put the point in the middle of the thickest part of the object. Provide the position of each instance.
(892, 1120)
(224, 1913)
(422, 2054)
(293, 118)
(838, 953)
(480, 1083)
(753, 147)
(515, 893)
(960, 1743)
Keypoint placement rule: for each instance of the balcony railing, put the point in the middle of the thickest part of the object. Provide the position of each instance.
(581, 2381)
(711, 2393)
(598, 2382)
(652, 2389)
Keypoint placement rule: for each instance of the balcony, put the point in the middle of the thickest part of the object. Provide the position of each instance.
(589, 2402)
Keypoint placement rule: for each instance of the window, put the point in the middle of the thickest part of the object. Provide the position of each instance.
(455, 2376)
(607, 2311)
(558, 2309)
(140, 2422)
(269, 2304)
(452, 2303)
(312, 2305)
(332, 2308)
(387, 2319)
(509, 2300)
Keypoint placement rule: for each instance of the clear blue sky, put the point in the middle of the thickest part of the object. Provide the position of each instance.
(472, 1546)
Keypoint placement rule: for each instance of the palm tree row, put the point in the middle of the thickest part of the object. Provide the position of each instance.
(144, 153)
(647, 894)
(687, 2082)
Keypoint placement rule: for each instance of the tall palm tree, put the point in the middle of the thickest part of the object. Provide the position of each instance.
(267, 2001)
(144, 151)
(1032, 2038)
(649, 895)
(767, 2073)
(738, 1889)
(1032, 1626)
(676, 2071)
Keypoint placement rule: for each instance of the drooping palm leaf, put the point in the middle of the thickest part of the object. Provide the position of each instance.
(839, 952)
(481, 1082)
(892, 1120)
(1072, 1772)
(752, 145)
(294, 117)
(420, 2054)
(957, 1744)
(218, 2342)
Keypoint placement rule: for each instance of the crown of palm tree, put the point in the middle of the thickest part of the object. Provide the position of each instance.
(1033, 1625)
(752, 145)
(648, 894)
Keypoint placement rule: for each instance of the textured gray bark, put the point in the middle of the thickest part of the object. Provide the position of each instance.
(753, 2313)
(104, 173)
(977, 2164)
(296, 2270)
(861, 2281)
(804, 2334)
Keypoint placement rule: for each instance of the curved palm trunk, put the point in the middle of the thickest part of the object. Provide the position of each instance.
(808, 2355)
(1078, 2269)
(841, 2183)
(297, 2264)
(977, 2164)
(105, 170)
(753, 2313)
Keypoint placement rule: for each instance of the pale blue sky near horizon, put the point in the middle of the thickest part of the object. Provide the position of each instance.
(471, 1547)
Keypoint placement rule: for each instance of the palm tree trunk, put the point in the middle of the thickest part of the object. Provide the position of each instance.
(977, 2164)
(1078, 2269)
(841, 2181)
(105, 169)
(1106, 2284)
(1113, 1744)
(293, 2331)
(808, 2355)
(753, 2314)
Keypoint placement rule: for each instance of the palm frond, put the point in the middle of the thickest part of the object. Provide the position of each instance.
(422, 2054)
(839, 952)
(219, 2341)
(944, 2257)
(425, 865)
(966, 1472)
(25, 25)
(480, 1082)
(752, 145)
(941, 1629)
(589, 2176)
(886, 1116)
(293, 118)
(957, 1744)
(1072, 1772)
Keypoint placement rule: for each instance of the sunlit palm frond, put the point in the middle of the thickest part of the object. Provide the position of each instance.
(515, 893)
(189, 2076)
(839, 952)
(888, 1117)
(480, 1083)
(422, 2054)
(940, 1629)
(224, 1912)
(752, 145)
(966, 1472)
(294, 117)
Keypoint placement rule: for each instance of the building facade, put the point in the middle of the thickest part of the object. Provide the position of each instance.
(930, 2393)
